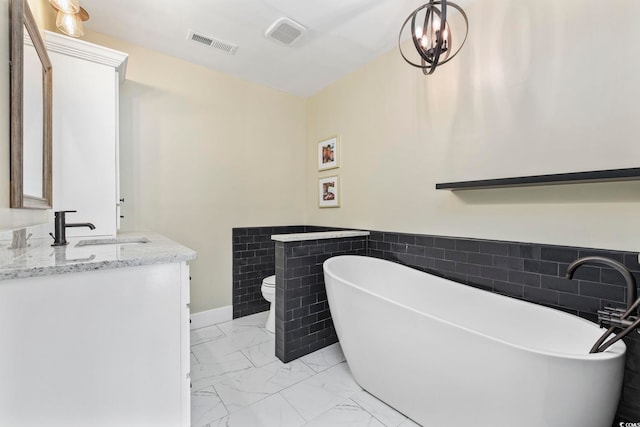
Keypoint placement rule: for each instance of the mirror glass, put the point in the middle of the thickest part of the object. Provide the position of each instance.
(31, 103)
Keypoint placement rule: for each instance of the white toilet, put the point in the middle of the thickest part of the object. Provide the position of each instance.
(269, 293)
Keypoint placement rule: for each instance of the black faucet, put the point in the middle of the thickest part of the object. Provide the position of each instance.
(611, 317)
(632, 292)
(60, 228)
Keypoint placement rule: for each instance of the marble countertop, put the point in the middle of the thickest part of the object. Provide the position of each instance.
(296, 237)
(24, 254)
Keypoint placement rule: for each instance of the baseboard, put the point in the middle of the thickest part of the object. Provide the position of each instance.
(211, 317)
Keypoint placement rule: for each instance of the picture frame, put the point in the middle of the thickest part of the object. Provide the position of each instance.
(329, 153)
(329, 192)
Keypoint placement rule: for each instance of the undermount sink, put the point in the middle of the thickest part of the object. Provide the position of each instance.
(113, 241)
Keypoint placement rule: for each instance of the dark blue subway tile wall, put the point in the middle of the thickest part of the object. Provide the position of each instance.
(253, 260)
(532, 272)
(303, 319)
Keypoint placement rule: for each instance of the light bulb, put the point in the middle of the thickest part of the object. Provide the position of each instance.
(67, 6)
(445, 33)
(418, 32)
(435, 22)
(70, 24)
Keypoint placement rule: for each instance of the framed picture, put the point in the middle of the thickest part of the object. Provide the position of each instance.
(328, 154)
(329, 192)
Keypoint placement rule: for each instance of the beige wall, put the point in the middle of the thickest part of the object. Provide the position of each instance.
(12, 218)
(202, 152)
(44, 14)
(540, 87)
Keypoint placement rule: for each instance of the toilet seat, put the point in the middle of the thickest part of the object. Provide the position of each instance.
(270, 281)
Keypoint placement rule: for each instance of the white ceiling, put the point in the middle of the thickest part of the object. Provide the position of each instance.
(342, 34)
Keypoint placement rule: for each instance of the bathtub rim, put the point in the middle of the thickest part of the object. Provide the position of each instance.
(617, 350)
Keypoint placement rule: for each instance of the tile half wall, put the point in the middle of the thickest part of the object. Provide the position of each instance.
(253, 260)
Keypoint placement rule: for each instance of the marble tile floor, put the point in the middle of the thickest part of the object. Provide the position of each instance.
(238, 381)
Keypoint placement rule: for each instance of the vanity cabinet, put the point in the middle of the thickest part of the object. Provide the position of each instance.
(86, 82)
(96, 348)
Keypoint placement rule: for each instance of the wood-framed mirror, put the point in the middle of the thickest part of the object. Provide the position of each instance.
(31, 112)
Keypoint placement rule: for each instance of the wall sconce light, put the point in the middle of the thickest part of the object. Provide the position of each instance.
(431, 34)
(66, 6)
(70, 17)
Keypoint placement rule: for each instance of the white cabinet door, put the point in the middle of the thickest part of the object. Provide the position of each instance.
(84, 151)
(102, 349)
(86, 81)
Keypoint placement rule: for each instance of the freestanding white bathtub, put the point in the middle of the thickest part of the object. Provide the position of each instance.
(447, 355)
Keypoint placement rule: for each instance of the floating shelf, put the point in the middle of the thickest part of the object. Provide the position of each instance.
(555, 179)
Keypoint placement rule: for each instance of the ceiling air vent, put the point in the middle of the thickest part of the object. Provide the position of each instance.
(285, 31)
(212, 42)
